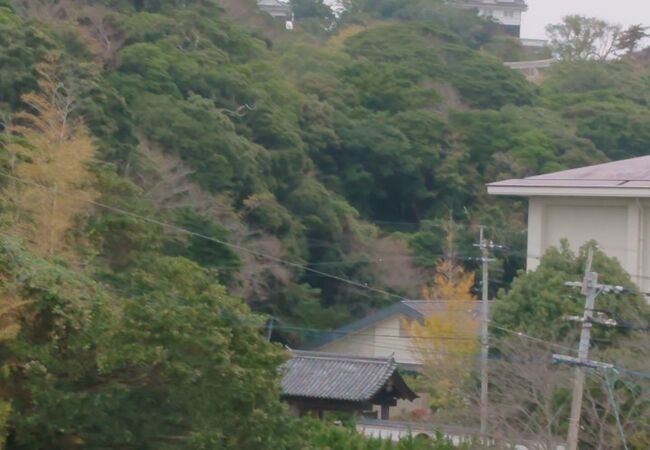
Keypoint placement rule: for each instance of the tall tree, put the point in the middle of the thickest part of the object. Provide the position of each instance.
(449, 335)
(175, 363)
(581, 38)
(311, 8)
(49, 163)
(630, 39)
(538, 300)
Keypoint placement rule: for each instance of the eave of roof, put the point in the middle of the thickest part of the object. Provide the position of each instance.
(627, 178)
(518, 5)
(327, 376)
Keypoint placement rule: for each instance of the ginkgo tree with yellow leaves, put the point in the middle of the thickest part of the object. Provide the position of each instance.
(446, 341)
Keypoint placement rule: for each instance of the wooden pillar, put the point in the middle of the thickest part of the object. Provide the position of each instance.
(385, 412)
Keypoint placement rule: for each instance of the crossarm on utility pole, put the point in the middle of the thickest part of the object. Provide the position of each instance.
(589, 289)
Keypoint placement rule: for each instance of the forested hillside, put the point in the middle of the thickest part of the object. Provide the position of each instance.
(346, 151)
(166, 163)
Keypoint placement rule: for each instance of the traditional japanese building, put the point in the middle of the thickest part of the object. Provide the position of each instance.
(314, 382)
(279, 10)
(506, 12)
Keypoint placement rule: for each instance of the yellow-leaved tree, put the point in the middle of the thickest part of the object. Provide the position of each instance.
(46, 183)
(49, 154)
(446, 341)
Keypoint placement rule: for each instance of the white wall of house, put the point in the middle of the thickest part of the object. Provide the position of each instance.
(620, 225)
(378, 340)
(505, 16)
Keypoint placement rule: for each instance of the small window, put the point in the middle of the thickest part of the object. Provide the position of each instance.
(509, 13)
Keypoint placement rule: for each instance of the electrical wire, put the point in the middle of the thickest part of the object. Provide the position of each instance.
(529, 337)
(256, 253)
(178, 229)
(612, 400)
(458, 337)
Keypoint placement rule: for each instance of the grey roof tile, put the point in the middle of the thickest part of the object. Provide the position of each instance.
(335, 377)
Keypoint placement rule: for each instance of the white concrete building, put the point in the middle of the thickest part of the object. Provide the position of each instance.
(507, 12)
(609, 203)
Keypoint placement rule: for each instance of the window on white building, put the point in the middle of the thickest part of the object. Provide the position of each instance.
(509, 13)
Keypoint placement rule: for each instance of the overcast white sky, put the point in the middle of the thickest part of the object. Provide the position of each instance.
(542, 12)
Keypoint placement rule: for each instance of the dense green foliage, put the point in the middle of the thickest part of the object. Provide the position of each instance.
(539, 304)
(538, 301)
(340, 438)
(243, 161)
(399, 121)
(140, 368)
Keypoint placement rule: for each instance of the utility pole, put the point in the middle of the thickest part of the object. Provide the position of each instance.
(589, 290)
(484, 245)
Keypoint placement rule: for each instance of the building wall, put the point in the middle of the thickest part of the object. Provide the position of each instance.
(358, 344)
(379, 340)
(503, 16)
(621, 226)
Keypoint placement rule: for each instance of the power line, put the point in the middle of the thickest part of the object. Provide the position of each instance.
(250, 251)
(614, 403)
(496, 326)
(451, 337)
(210, 238)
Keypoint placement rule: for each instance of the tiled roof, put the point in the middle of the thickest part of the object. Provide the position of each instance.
(337, 377)
(262, 3)
(503, 3)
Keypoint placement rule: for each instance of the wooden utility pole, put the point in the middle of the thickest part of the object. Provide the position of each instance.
(483, 244)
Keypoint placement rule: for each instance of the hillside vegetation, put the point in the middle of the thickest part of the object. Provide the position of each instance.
(168, 167)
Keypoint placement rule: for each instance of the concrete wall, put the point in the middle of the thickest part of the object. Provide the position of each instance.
(620, 225)
(379, 340)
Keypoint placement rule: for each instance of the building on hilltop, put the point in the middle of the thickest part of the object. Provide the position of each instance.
(608, 203)
(506, 12)
(279, 10)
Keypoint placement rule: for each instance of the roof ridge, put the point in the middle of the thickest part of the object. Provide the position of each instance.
(338, 356)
